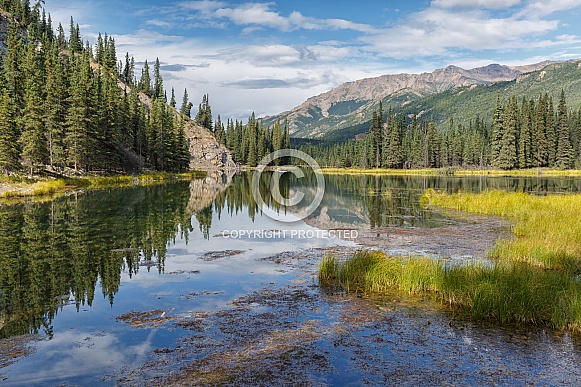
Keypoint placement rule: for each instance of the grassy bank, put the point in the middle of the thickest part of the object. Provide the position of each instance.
(547, 229)
(507, 292)
(534, 277)
(538, 172)
(15, 187)
(383, 171)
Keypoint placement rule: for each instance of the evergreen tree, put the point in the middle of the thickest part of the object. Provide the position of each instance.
(172, 101)
(497, 133)
(508, 157)
(54, 108)
(186, 108)
(145, 80)
(32, 140)
(204, 116)
(158, 81)
(525, 154)
(564, 155)
(9, 151)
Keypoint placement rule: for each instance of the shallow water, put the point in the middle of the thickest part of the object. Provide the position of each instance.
(72, 269)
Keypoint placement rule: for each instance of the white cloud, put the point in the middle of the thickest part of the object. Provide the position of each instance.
(439, 31)
(254, 13)
(490, 4)
(158, 23)
(540, 8)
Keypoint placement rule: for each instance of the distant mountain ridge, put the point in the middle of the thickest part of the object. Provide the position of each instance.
(349, 104)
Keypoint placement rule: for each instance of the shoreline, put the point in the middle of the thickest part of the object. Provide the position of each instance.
(453, 172)
(40, 187)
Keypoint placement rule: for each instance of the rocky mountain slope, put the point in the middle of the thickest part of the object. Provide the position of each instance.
(351, 103)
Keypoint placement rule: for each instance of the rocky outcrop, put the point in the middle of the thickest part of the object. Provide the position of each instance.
(206, 153)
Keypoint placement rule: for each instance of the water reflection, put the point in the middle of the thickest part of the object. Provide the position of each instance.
(380, 201)
(59, 252)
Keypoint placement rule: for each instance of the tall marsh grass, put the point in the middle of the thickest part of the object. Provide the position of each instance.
(506, 292)
(534, 278)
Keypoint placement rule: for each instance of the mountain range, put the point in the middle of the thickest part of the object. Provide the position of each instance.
(346, 110)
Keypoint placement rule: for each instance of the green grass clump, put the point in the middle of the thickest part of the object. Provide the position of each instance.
(506, 292)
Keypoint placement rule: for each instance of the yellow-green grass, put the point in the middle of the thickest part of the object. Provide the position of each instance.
(547, 229)
(25, 187)
(506, 292)
(537, 172)
(382, 171)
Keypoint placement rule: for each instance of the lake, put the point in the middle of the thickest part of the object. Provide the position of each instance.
(154, 284)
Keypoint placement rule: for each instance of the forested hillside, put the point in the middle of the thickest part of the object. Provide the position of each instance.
(523, 133)
(67, 106)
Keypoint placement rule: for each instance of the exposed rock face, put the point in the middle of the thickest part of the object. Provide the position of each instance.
(205, 151)
(347, 104)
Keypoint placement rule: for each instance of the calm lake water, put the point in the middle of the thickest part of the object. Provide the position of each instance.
(70, 267)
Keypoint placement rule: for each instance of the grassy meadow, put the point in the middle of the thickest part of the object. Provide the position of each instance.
(534, 278)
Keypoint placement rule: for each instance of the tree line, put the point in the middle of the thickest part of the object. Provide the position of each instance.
(522, 133)
(65, 105)
(251, 142)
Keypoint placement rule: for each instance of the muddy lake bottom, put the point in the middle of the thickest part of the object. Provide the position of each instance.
(291, 332)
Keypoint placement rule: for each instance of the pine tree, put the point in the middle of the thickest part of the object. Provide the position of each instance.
(525, 137)
(497, 133)
(54, 108)
(9, 151)
(540, 145)
(172, 101)
(564, 155)
(32, 139)
(186, 108)
(204, 116)
(145, 80)
(508, 157)
(158, 80)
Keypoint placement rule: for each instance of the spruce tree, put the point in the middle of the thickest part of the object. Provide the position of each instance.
(525, 137)
(172, 101)
(186, 108)
(158, 80)
(32, 139)
(497, 133)
(54, 107)
(564, 156)
(9, 150)
(508, 156)
(145, 80)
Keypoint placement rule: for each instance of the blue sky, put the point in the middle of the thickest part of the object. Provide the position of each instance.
(269, 57)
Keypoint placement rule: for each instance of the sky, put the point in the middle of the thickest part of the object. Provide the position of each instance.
(268, 57)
